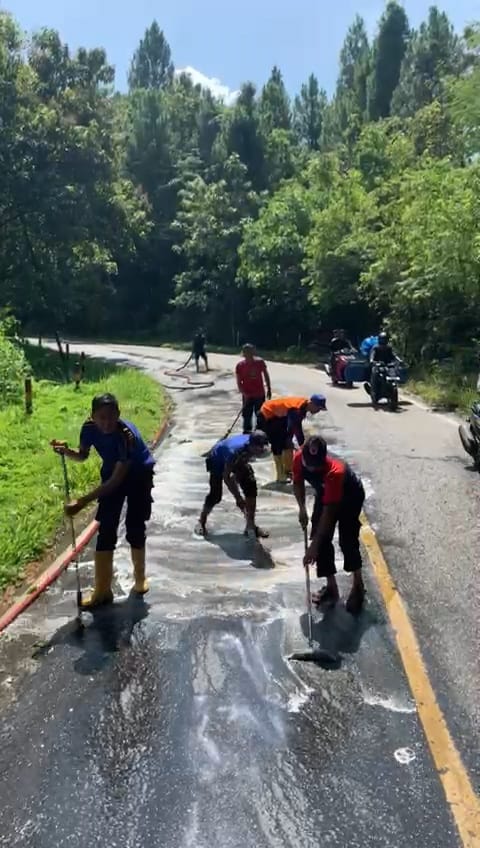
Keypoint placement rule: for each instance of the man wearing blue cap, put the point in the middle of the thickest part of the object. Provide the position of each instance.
(229, 462)
(281, 419)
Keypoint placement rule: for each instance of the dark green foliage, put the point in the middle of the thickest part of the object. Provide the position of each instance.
(152, 65)
(434, 53)
(387, 56)
(309, 112)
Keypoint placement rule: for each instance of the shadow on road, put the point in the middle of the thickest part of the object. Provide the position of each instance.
(381, 407)
(274, 486)
(338, 632)
(237, 547)
(110, 631)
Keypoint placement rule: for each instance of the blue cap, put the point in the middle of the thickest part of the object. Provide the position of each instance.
(319, 400)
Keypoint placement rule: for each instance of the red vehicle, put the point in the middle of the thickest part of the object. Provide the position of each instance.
(336, 368)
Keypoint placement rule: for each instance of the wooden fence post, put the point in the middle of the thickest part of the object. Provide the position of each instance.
(28, 396)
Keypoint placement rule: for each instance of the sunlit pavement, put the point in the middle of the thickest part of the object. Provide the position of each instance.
(179, 722)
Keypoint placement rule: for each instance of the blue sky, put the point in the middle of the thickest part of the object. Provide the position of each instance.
(224, 40)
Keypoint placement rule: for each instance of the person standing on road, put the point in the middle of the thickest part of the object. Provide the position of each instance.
(199, 349)
(252, 381)
(126, 474)
(229, 462)
(281, 419)
(339, 498)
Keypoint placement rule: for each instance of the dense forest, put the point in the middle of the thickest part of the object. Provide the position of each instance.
(147, 213)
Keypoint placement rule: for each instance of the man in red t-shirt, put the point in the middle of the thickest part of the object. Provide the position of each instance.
(252, 379)
(339, 497)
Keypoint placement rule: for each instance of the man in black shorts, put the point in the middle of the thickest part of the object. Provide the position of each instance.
(199, 349)
(228, 462)
(339, 498)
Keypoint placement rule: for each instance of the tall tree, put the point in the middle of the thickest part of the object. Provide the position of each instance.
(351, 92)
(309, 111)
(152, 65)
(463, 99)
(274, 104)
(434, 53)
(387, 56)
(210, 224)
(241, 135)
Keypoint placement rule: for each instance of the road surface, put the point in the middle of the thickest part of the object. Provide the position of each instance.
(179, 722)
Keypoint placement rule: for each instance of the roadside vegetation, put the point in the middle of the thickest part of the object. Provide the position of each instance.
(31, 481)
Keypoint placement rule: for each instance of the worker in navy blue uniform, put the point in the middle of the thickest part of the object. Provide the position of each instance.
(229, 462)
(126, 474)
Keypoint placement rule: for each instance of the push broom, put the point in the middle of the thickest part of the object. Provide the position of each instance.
(314, 654)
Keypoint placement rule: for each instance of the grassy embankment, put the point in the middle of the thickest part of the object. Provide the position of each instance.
(446, 388)
(31, 481)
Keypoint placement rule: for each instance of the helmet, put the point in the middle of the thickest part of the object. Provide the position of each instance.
(383, 338)
(314, 452)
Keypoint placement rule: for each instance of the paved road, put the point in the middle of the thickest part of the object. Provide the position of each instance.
(179, 722)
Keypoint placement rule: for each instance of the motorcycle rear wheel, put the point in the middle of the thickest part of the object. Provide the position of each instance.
(393, 401)
(469, 444)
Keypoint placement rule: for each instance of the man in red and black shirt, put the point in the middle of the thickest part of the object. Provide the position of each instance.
(339, 497)
(251, 373)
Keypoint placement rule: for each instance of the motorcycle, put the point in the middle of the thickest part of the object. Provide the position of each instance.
(470, 434)
(341, 361)
(386, 385)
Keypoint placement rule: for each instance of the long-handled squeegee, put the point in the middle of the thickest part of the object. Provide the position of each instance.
(313, 654)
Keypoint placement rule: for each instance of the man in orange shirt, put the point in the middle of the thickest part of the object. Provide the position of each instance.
(251, 373)
(281, 419)
(339, 497)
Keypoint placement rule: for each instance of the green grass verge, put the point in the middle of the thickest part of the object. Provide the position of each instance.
(31, 482)
(444, 388)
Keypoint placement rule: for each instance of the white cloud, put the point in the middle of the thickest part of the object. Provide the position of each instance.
(223, 92)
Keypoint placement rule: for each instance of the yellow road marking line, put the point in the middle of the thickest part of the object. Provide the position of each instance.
(462, 800)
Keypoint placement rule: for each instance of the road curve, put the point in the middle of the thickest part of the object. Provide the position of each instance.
(180, 723)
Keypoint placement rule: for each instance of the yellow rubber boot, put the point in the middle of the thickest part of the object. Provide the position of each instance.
(278, 460)
(287, 458)
(138, 559)
(102, 590)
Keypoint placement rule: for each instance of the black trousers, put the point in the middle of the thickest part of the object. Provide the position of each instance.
(250, 406)
(137, 491)
(348, 522)
(276, 431)
(200, 355)
(244, 475)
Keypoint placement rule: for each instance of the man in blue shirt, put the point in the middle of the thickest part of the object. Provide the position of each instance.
(228, 462)
(126, 474)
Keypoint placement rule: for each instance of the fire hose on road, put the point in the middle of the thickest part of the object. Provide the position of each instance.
(191, 384)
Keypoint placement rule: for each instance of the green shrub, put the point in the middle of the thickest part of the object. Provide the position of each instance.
(13, 365)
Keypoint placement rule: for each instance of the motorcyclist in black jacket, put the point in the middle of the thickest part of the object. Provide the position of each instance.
(381, 354)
